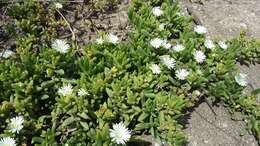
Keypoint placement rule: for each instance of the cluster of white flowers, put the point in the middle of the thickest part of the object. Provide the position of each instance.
(120, 133)
(157, 43)
(167, 60)
(110, 38)
(65, 90)
(61, 46)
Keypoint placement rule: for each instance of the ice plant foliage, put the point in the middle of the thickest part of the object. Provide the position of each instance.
(16, 124)
(161, 27)
(199, 56)
(65, 90)
(61, 46)
(241, 79)
(120, 133)
(145, 81)
(155, 69)
(157, 11)
(7, 141)
(181, 74)
(200, 29)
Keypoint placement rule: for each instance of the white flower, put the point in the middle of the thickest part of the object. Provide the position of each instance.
(82, 92)
(58, 6)
(157, 11)
(155, 69)
(178, 48)
(16, 124)
(7, 141)
(222, 45)
(199, 56)
(65, 90)
(60, 46)
(168, 61)
(6, 53)
(200, 29)
(166, 45)
(156, 42)
(120, 134)
(181, 74)
(161, 26)
(209, 44)
(100, 40)
(112, 38)
(241, 79)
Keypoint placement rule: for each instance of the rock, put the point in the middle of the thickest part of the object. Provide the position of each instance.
(204, 129)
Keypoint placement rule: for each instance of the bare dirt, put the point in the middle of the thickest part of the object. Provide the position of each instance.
(87, 24)
(85, 21)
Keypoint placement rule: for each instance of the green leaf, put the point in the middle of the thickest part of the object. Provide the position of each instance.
(44, 97)
(68, 121)
(142, 126)
(109, 92)
(256, 91)
(84, 116)
(142, 117)
(84, 125)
